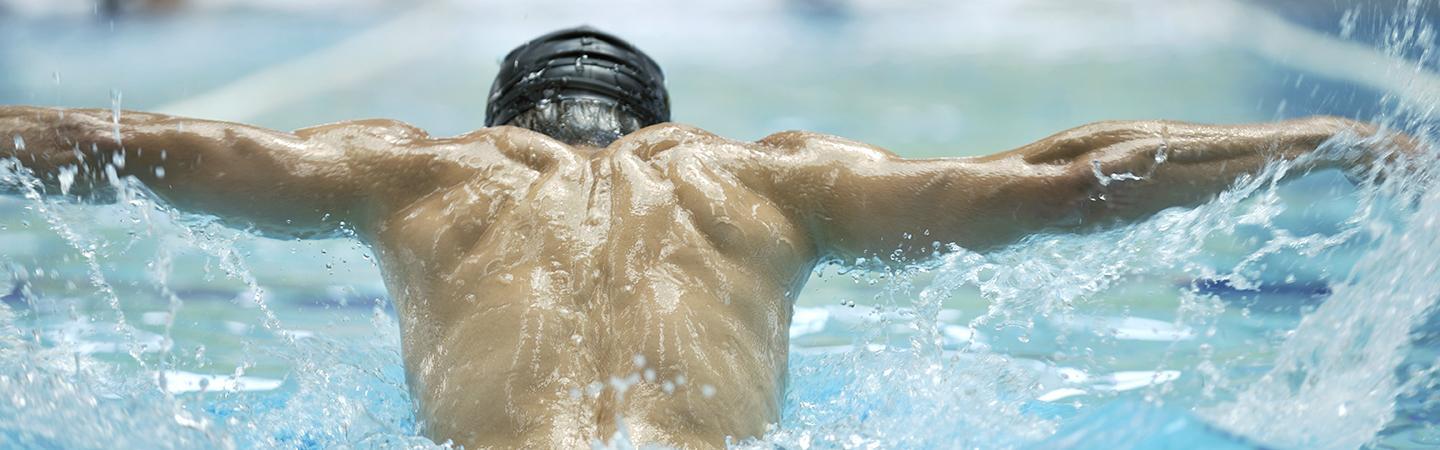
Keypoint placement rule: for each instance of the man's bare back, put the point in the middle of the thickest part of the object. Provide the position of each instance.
(547, 291)
(547, 270)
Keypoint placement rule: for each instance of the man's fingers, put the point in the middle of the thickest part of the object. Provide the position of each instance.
(1386, 153)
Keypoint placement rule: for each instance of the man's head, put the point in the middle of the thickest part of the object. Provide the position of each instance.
(578, 85)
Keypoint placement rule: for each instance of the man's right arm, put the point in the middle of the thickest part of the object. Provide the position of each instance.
(301, 184)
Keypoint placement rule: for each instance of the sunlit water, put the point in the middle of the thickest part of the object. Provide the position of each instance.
(1295, 315)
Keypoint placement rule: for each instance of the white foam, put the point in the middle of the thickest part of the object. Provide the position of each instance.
(1131, 380)
(1060, 394)
(180, 382)
(808, 321)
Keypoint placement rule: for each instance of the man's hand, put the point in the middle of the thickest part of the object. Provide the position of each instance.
(49, 141)
(1373, 149)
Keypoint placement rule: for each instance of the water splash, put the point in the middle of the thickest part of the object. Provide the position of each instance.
(1334, 384)
(115, 98)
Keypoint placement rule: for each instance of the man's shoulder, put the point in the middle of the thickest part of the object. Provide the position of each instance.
(812, 142)
(388, 129)
(785, 141)
(819, 144)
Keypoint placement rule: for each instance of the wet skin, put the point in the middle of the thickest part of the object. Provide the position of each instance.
(527, 272)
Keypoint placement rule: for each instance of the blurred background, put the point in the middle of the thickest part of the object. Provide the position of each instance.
(922, 78)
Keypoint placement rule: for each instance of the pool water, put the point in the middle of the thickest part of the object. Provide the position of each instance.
(1279, 315)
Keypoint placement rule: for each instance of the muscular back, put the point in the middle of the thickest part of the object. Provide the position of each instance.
(553, 269)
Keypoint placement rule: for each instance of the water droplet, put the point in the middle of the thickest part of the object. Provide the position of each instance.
(115, 98)
(118, 160)
(1095, 169)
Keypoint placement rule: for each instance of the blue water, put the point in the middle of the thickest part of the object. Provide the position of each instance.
(1280, 315)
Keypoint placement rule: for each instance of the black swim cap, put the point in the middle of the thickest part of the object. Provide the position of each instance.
(578, 63)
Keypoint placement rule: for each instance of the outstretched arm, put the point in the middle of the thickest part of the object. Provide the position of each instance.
(301, 184)
(862, 201)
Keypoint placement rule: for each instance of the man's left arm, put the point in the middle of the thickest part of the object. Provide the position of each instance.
(861, 201)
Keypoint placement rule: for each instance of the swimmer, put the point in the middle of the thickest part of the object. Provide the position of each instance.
(582, 264)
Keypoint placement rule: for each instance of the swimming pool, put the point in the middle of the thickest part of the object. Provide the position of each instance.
(1288, 316)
